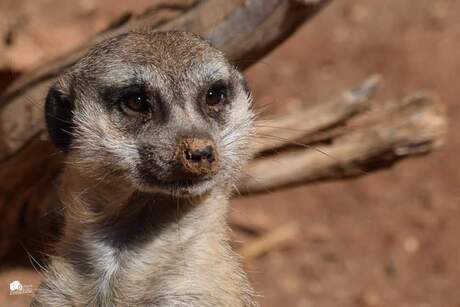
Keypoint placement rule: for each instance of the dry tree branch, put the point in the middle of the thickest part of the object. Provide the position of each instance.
(309, 120)
(265, 243)
(377, 139)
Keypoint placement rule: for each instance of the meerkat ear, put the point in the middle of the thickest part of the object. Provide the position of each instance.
(58, 114)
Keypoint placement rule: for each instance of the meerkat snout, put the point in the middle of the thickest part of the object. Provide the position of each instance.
(198, 156)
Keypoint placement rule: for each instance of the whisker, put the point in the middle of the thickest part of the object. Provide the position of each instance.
(34, 262)
(236, 189)
(298, 144)
(281, 128)
(78, 194)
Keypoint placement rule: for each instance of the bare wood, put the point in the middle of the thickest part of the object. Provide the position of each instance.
(269, 241)
(377, 140)
(306, 122)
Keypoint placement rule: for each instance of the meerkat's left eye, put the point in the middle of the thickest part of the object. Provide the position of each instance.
(135, 102)
(216, 95)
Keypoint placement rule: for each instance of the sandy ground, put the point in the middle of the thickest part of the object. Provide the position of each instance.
(387, 239)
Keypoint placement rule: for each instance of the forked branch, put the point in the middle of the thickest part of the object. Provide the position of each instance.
(373, 140)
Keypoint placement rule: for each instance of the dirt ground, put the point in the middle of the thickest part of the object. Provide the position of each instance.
(386, 239)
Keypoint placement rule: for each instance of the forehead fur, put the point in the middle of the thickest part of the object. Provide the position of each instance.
(166, 55)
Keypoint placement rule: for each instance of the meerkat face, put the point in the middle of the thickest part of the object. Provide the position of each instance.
(161, 111)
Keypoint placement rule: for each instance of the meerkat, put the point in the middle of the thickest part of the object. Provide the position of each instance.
(155, 127)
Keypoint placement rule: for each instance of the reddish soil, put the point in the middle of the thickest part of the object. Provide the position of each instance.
(386, 239)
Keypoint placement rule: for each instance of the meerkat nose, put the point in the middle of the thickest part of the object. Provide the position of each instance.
(198, 156)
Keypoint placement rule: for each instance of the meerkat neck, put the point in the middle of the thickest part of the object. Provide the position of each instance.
(174, 249)
(137, 219)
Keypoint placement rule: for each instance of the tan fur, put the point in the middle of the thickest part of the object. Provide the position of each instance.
(125, 244)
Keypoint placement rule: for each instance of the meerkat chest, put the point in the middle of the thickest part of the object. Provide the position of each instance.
(192, 274)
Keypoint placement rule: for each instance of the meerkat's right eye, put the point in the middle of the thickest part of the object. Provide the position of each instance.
(216, 96)
(135, 103)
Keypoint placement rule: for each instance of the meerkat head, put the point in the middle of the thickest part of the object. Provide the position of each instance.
(159, 111)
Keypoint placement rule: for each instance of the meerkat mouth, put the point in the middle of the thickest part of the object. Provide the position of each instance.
(182, 183)
(182, 186)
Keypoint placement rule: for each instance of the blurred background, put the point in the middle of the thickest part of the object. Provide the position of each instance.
(391, 238)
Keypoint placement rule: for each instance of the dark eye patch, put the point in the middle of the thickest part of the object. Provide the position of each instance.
(134, 102)
(114, 96)
(136, 99)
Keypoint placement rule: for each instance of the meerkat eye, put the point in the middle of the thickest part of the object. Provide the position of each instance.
(216, 94)
(135, 102)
